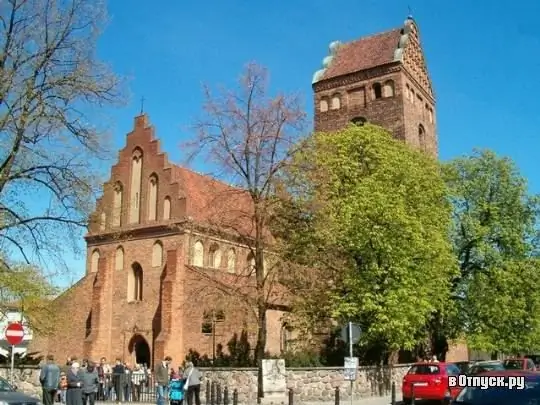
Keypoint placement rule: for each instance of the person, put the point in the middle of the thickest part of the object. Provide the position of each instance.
(49, 377)
(118, 376)
(104, 374)
(193, 383)
(63, 387)
(162, 380)
(176, 389)
(90, 383)
(138, 377)
(74, 387)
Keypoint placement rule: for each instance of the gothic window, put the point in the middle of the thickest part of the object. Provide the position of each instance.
(407, 92)
(94, 260)
(102, 221)
(377, 91)
(214, 257)
(251, 264)
(422, 137)
(152, 197)
(413, 96)
(117, 205)
(323, 105)
(135, 190)
(157, 254)
(285, 337)
(388, 88)
(198, 254)
(135, 283)
(167, 208)
(119, 258)
(359, 121)
(430, 114)
(231, 261)
(357, 97)
(336, 102)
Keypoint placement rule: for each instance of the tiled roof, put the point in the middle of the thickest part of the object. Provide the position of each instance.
(364, 53)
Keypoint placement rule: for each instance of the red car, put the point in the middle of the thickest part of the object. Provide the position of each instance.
(430, 381)
(519, 364)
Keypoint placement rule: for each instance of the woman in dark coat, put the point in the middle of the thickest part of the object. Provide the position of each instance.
(74, 385)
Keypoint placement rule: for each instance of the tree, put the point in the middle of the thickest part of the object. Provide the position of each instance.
(369, 216)
(494, 235)
(249, 136)
(50, 84)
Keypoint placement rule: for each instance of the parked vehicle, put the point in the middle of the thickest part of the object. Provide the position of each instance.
(9, 395)
(484, 366)
(502, 395)
(519, 364)
(464, 366)
(429, 381)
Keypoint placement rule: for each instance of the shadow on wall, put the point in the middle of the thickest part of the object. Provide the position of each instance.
(157, 320)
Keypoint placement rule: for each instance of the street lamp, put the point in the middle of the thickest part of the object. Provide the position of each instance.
(217, 317)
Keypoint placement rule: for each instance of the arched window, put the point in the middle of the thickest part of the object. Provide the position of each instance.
(323, 105)
(285, 337)
(198, 254)
(430, 114)
(251, 263)
(336, 102)
(119, 259)
(152, 197)
(422, 137)
(231, 261)
(135, 190)
(102, 221)
(388, 88)
(214, 257)
(135, 283)
(94, 260)
(117, 204)
(407, 92)
(167, 208)
(157, 254)
(359, 121)
(377, 91)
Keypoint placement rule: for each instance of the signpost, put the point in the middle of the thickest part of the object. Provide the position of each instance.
(351, 334)
(14, 335)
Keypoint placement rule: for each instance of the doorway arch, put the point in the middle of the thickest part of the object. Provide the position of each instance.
(139, 349)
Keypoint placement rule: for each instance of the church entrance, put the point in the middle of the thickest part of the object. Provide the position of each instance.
(140, 350)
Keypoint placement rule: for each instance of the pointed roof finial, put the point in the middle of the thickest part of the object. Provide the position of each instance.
(142, 105)
(409, 16)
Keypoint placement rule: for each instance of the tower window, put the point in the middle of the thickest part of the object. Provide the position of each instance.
(388, 88)
(360, 121)
(323, 105)
(377, 91)
(336, 102)
(422, 137)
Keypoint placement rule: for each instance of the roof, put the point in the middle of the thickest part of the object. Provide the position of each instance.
(364, 53)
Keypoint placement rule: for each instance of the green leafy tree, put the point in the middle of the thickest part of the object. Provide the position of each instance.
(494, 234)
(368, 219)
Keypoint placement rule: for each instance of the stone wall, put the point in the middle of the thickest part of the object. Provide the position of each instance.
(308, 384)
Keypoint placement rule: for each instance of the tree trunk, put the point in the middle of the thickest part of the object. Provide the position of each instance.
(259, 348)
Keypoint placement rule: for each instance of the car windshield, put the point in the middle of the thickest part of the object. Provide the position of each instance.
(480, 368)
(500, 396)
(424, 369)
(5, 386)
(513, 364)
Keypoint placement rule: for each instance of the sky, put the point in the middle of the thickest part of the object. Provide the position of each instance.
(482, 56)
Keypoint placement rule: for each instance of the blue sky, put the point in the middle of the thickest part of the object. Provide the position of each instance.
(482, 56)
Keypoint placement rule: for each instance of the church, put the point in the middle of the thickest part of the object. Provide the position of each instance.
(160, 272)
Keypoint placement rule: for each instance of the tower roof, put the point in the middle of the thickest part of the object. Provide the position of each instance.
(364, 53)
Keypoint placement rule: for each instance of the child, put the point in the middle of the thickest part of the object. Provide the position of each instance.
(176, 389)
(63, 387)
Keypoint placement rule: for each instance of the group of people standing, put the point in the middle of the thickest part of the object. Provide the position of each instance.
(84, 384)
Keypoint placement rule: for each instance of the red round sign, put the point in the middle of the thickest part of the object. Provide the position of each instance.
(14, 333)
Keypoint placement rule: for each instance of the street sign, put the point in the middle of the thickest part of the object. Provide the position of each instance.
(14, 333)
(350, 368)
(356, 332)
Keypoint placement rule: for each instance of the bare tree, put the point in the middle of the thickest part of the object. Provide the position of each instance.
(249, 136)
(51, 86)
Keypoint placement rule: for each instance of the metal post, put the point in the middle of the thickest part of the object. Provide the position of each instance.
(208, 392)
(218, 394)
(351, 355)
(336, 396)
(393, 393)
(12, 374)
(213, 394)
(291, 396)
(235, 397)
(225, 396)
(213, 339)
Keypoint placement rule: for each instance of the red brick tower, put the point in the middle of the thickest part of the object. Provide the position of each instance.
(382, 79)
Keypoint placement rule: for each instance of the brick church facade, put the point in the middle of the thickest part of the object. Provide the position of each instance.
(159, 269)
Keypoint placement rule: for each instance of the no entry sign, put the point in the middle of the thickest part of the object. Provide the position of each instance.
(14, 334)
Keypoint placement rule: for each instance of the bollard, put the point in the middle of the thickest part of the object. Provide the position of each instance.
(213, 393)
(218, 394)
(208, 392)
(412, 395)
(393, 394)
(225, 396)
(235, 397)
(291, 396)
(336, 396)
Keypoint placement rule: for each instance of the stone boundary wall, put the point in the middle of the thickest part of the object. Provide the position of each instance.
(308, 384)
